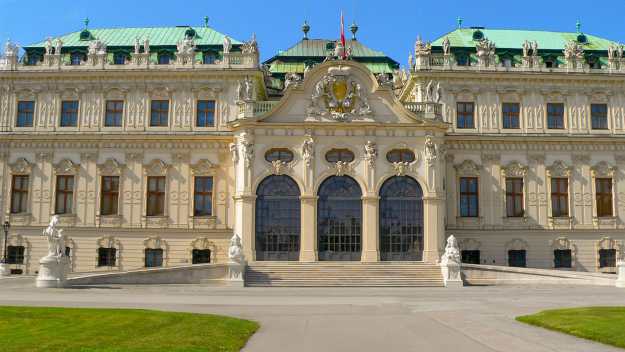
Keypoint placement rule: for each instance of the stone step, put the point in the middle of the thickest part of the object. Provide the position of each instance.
(339, 274)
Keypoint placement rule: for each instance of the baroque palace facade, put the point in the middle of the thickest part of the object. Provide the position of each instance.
(155, 145)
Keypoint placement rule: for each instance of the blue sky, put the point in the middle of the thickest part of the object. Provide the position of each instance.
(390, 26)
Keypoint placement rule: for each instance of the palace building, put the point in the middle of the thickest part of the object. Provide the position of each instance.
(155, 145)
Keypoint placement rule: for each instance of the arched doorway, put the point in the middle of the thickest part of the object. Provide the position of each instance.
(401, 219)
(277, 219)
(339, 219)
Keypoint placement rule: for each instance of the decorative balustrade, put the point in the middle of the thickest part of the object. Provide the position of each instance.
(426, 109)
(137, 61)
(255, 108)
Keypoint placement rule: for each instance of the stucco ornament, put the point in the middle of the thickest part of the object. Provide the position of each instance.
(431, 150)
(247, 148)
(341, 167)
(433, 94)
(278, 167)
(97, 47)
(371, 153)
(401, 167)
(56, 239)
(292, 79)
(234, 153)
(308, 150)
(451, 263)
(339, 96)
(245, 90)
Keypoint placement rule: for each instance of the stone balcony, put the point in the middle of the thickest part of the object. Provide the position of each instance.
(235, 60)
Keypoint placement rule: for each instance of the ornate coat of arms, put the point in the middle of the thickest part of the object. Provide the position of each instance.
(338, 96)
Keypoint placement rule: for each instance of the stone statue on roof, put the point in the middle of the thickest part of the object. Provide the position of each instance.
(446, 46)
(534, 48)
(146, 45)
(49, 46)
(137, 46)
(59, 46)
(227, 44)
(10, 48)
(526, 48)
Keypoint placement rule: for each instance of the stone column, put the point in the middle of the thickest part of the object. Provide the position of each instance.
(244, 224)
(370, 228)
(308, 239)
(434, 227)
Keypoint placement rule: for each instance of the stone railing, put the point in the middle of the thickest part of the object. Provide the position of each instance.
(137, 61)
(255, 108)
(430, 110)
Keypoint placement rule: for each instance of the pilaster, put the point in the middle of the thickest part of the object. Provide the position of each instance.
(434, 227)
(244, 224)
(308, 240)
(370, 229)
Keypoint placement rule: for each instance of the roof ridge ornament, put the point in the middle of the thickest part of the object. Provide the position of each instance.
(305, 29)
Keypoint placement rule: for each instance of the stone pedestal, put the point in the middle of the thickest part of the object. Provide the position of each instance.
(620, 267)
(452, 275)
(235, 274)
(52, 272)
(5, 270)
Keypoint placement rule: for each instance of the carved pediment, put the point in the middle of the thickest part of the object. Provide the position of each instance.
(203, 167)
(516, 244)
(559, 169)
(66, 167)
(111, 167)
(21, 166)
(561, 243)
(514, 169)
(603, 169)
(155, 242)
(339, 96)
(109, 242)
(203, 243)
(468, 168)
(469, 244)
(609, 243)
(156, 168)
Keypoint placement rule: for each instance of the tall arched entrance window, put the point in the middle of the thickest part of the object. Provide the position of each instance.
(339, 219)
(401, 219)
(278, 219)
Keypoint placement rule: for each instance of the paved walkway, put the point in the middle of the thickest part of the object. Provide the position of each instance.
(479, 319)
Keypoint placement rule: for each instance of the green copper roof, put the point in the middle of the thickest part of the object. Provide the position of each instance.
(299, 67)
(513, 39)
(158, 36)
(319, 48)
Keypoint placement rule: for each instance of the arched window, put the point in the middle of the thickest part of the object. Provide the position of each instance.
(76, 58)
(208, 58)
(339, 219)
(401, 219)
(281, 154)
(119, 59)
(278, 219)
(164, 58)
(400, 156)
(344, 155)
(463, 60)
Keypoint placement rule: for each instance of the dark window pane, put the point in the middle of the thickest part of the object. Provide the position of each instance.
(562, 258)
(470, 256)
(607, 258)
(64, 194)
(559, 197)
(76, 58)
(159, 113)
(203, 196)
(107, 256)
(19, 194)
(510, 113)
(153, 258)
(339, 219)
(603, 190)
(201, 256)
(464, 118)
(281, 154)
(110, 195)
(15, 254)
(208, 58)
(599, 116)
(401, 219)
(114, 113)
(517, 258)
(514, 197)
(69, 113)
(469, 197)
(335, 155)
(25, 113)
(164, 58)
(156, 196)
(205, 113)
(400, 155)
(555, 116)
(119, 59)
(278, 219)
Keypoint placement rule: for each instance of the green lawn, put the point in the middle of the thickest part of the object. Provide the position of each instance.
(601, 324)
(71, 329)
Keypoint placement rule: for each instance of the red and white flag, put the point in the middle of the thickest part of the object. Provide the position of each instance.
(344, 53)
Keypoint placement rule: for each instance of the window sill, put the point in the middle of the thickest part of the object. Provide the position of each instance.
(561, 222)
(20, 219)
(109, 220)
(605, 222)
(158, 221)
(203, 222)
(67, 219)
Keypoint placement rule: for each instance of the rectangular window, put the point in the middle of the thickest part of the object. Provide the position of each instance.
(510, 113)
(471, 257)
(517, 258)
(603, 188)
(110, 195)
(555, 116)
(25, 113)
(156, 196)
(15, 254)
(114, 113)
(469, 197)
(64, 194)
(562, 258)
(203, 196)
(201, 256)
(159, 113)
(69, 113)
(514, 197)
(599, 116)
(464, 118)
(107, 256)
(607, 258)
(205, 113)
(153, 258)
(559, 197)
(19, 194)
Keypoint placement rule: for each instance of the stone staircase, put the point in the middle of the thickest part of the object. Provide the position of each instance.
(343, 274)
